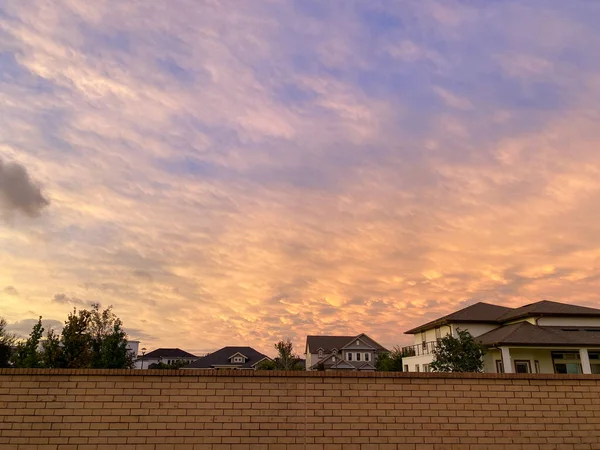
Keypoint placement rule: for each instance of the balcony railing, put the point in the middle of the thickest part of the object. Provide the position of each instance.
(426, 348)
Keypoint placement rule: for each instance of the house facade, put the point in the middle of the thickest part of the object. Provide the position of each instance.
(542, 337)
(239, 358)
(165, 356)
(342, 352)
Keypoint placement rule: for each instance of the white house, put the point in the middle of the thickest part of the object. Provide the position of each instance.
(542, 337)
(342, 352)
(133, 348)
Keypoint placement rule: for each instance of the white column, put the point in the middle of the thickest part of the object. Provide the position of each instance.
(506, 361)
(585, 360)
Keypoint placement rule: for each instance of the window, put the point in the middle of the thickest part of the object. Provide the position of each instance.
(335, 351)
(425, 367)
(238, 359)
(499, 366)
(567, 368)
(358, 356)
(438, 333)
(423, 336)
(367, 357)
(349, 356)
(595, 361)
(320, 353)
(357, 342)
(566, 362)
(406, 367)
(536, 363)
(416, 368)
(522, 366)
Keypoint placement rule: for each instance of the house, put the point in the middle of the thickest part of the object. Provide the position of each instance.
(165, 356)
(230, 358)
(542, 337)
(342, 352)
(133, 348)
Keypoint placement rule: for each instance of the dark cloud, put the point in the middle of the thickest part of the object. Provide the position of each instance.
(143, 275)
(18, 192)
(139, 335)
(66, 300)
(23, 328)
(11, 290)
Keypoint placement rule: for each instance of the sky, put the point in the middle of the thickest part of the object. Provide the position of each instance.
(239, 172)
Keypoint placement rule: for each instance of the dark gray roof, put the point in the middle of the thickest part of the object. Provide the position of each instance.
(488, 313)
(221, 358)
(524, 333)
(548, 308)
(328, 343)
(479, 312)
(167, 353)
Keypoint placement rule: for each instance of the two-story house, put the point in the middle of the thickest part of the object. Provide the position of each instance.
(542, 337)
(342, 352)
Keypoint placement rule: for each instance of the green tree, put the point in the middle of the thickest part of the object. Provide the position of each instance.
(76, 341)
(92, 339)
(175, 365)
(108, 340)
(27, 354)
(7, 340)
(267, 364)
(286, 359)
(458, 354)
(390, 362)
(52, 354)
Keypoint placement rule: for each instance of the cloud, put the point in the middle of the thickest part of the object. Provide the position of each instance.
(22, 328)
(143, 275)
(64, 299)
(452, 100)
(18, 192)
(300, 167)
(11, 290)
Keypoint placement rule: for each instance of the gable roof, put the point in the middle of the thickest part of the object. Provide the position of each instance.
(328, 343)
(488, 313)
(221, 357)
(367, 366)
(479, 312)
(333, 362)
(238, 354)
(524, 333)
(167, 353)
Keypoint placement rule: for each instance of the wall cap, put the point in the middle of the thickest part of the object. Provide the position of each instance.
(290, 373)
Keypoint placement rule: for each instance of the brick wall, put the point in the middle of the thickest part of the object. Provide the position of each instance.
(181, 410)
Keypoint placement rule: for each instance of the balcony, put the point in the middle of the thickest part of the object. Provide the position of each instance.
(426, 348)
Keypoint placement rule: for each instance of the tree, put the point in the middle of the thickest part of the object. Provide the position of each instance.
(52, 354)
(27, 353)
(76, 341)
(390, 362)
(93, 339)
(108, 340)
(7, 340)
(458, 354)
(267, 364)
(175, 365)
(286, 359)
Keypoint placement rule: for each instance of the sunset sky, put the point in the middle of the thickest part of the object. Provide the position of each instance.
(237, 172)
